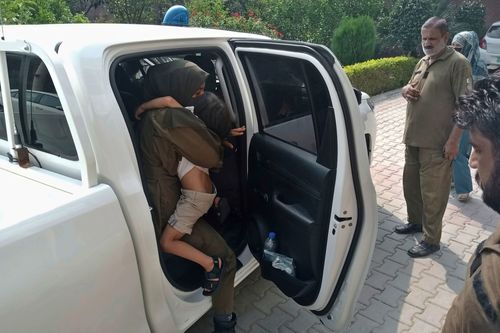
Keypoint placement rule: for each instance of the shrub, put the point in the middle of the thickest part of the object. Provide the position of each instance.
(354, 40)
(379, 75)
(310, 21)
(213, 14)
(467, 16)
(37, 12)
(400, 29)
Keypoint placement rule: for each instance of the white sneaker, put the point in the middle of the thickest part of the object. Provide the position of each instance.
(463, 197)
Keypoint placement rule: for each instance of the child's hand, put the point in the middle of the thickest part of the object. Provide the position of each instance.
(239, 131)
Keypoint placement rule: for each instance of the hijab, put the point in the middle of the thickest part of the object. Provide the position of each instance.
(470, 49)
(178, 78)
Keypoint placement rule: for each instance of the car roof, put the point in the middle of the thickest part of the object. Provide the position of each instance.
(495, 23)
(104, 34)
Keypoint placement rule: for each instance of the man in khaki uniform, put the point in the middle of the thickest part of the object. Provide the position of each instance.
(431, 138)
(477, 307)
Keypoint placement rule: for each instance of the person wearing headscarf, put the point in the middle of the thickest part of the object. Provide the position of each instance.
(167, 137)
(466, 43)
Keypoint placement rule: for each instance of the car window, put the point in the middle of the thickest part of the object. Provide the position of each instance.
(494, 31)
(40, 119)
(32, 96)
(292, 99)
(14, 64)
(51, 101)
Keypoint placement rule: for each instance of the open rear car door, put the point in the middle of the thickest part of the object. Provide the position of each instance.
(308, 175)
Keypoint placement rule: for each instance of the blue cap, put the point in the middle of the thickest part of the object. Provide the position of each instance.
(272, 235)
(176, 15)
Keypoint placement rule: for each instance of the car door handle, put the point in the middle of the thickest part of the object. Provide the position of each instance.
(342, 219)
(293, 209)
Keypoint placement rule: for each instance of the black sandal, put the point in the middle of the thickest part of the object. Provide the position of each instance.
(213, 277)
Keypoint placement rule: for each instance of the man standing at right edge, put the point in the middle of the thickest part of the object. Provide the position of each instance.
(477, 306)
(430, 136)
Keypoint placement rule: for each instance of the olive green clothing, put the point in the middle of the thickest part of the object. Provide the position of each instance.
(207, 240)
(427, 174)
(429, 119)
(167, 135)
(477, 307)
(164, 137)
(426, 185)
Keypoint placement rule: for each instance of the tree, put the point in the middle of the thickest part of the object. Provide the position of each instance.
(400, 29)
(354, 40)
(469, 15)
(136, 11)
(84, 6)
(214, 14)
(311, 21)
(38, 12)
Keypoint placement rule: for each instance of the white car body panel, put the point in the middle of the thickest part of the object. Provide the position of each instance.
(92, 221)
(492, 52)
(59, 241)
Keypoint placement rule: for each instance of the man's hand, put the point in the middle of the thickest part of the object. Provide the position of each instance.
(409, 93)
(450, 149)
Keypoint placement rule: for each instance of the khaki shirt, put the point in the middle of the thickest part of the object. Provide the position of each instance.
(429, 119)
(165, 136)
(477, 307)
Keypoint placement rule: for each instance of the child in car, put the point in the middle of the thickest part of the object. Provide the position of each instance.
(197, 192)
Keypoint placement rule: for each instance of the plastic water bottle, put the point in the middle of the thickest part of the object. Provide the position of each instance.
(270, 246)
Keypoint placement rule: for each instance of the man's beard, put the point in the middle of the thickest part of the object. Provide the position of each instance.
(435, 50)
(491, 190)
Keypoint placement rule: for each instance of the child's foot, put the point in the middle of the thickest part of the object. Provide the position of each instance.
(212, 278)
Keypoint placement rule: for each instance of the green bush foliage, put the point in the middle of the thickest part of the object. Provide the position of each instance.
(38, 12)
(399, 30)
(354, 40)
(467, 16)
(213, 14)
(134, 11)
(310, 21)
(379, 75)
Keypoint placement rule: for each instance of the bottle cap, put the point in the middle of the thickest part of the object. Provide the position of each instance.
(272, 235)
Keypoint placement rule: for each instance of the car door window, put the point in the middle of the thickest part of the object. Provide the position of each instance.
(43, 124)
(494, 32)
(291, 97)
(14, 64)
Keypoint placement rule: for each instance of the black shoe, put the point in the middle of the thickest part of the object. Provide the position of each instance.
(408, 228)
(423, 249)
(225, 326)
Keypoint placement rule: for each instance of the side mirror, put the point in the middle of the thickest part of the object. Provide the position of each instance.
(358, 95)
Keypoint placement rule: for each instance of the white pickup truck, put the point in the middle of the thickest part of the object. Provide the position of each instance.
(78, 250)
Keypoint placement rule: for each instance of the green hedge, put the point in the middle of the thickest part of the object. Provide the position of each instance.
(379, 75)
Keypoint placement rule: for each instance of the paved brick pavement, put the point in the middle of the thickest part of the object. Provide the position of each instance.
(400, 294)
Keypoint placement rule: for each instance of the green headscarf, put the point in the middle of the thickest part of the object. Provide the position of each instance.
(179, 79)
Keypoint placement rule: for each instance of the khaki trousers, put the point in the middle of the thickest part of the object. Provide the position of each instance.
(426, 185)
(207, 240)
